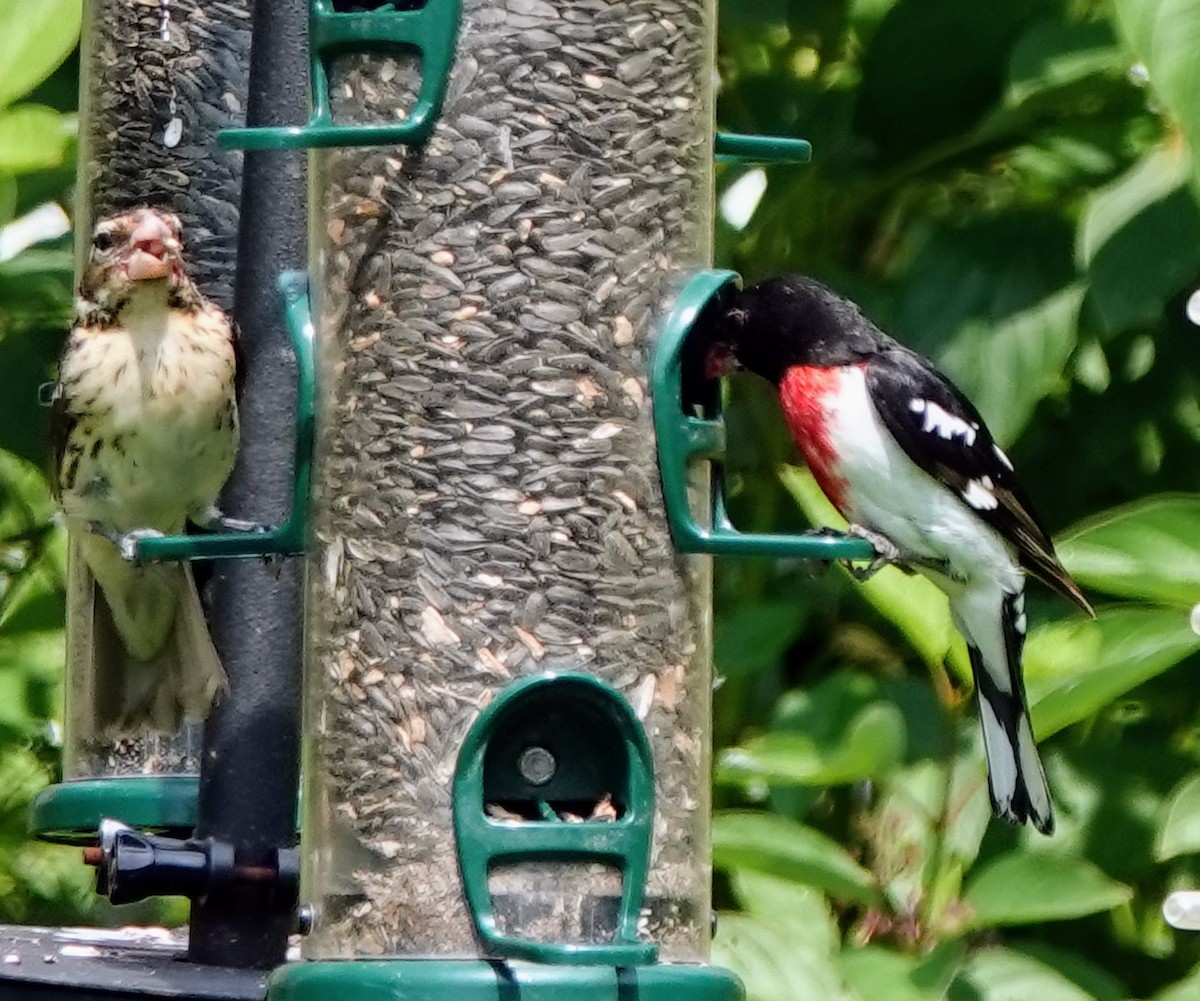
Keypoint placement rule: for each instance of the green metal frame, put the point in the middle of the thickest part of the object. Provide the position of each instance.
(70, 812)
(289, 538)
(483, 842)
(683, 439)
(478, 980)
(737, 147)
(431, 31)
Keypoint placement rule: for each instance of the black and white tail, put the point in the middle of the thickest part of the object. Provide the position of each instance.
(1016, 781)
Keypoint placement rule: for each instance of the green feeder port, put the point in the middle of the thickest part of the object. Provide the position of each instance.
(556, 769)
(685, 439)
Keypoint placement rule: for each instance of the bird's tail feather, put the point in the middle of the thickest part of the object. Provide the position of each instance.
(1016, 781)
(115, 693)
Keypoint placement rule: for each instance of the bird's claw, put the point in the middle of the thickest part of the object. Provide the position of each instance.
(213, 520)
(126, 542)
(887, 553)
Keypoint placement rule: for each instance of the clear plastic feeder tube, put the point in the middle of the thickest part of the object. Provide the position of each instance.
(486, 495)
(159, 80)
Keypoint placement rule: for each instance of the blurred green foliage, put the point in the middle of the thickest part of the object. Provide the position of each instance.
(1012, 190)
(38, 94)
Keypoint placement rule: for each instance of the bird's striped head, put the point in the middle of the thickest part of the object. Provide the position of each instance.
(138, 249)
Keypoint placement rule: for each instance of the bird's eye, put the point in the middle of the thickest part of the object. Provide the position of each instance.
(103, 240)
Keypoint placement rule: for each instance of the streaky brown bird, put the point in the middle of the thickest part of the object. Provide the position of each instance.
(144, 427)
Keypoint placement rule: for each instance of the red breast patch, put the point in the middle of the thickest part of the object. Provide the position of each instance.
(807, 394)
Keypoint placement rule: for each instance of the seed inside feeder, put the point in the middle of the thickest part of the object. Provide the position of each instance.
(486, 424)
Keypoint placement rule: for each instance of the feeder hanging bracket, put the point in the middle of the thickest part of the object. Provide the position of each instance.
(429, 31)
(287, 539)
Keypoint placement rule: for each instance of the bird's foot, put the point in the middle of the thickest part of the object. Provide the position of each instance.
(213, 520)
(887, 553)
(126, 542)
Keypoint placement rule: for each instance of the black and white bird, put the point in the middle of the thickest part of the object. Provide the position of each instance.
(908, 461)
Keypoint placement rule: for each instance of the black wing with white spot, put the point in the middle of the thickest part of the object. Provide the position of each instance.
(942, 432)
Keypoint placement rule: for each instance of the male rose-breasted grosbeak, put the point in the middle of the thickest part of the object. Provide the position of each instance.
(909, 462)
(145, 431)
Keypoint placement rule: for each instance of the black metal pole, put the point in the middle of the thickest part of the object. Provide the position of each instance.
(250, 769)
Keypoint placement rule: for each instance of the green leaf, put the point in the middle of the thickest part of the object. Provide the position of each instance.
(1075, 668)
(1140, 240)
(876, 972)
(842, 730)
(8, 199)
(1080, 970)
(774, 963)
(755, 636)
(995, 303)
(784, 902)
(1165, 36)
(1053, 54)
(1027, 887)
(772, 844)
(868, 746)
(34, 39)
(999, 974)
(1179, 833)
(906, 103)
(1187, 989)
(33, 137)
(1148, 550)
(36, 284)
(912, 604)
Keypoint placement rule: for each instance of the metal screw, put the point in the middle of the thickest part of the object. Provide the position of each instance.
(536, 765)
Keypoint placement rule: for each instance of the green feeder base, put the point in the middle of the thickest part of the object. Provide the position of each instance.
(481, 980)
(70, 813)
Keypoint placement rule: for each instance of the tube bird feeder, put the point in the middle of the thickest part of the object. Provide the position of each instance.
(507, 661)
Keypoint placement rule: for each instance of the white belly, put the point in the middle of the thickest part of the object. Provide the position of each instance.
(888, 493)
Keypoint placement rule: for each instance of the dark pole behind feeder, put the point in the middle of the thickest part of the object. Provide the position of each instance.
(250, 767)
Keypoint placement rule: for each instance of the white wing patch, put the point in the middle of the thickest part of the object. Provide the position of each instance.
(1001, 456)
(939, 421)
(979, 494)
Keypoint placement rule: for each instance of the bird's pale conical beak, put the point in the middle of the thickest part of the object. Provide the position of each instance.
(148, 259)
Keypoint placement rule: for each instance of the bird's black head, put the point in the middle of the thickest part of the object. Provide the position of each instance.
(787, 321)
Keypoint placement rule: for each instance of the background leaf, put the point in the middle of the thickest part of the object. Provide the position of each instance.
(1180, 830)
(1148, 551)
(1165, 35)
(784, 848)
(1032, 887)
(34, 39)
(1075, 668)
